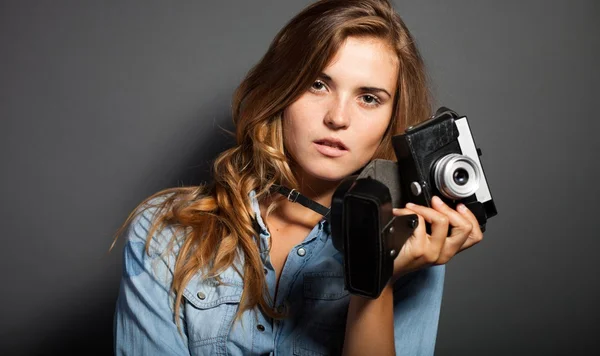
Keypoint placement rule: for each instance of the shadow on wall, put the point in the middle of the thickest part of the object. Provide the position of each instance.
(85, 330)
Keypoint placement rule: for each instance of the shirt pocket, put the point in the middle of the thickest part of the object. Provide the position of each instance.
(210, 312)
(324, 314)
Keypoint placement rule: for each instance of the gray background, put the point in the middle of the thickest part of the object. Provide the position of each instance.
(104, 103)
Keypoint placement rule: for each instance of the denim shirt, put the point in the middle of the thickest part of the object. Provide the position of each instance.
(311, 291)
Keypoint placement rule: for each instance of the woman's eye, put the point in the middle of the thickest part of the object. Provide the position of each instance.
(318, 85)
(370, 100)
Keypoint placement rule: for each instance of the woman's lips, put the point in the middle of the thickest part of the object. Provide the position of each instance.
(329, 150)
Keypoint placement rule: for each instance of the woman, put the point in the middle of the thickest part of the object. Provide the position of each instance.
(234, 267)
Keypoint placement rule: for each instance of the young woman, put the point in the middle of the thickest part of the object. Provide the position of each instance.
(234, 267)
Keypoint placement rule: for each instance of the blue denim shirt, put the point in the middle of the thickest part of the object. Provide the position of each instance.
(311, 290)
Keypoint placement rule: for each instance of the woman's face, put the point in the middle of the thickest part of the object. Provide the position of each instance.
(334, 128)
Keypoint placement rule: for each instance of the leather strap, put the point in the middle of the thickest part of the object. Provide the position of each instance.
(295, 197)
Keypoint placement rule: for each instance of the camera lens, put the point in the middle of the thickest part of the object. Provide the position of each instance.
(456, 176)
(461, 176)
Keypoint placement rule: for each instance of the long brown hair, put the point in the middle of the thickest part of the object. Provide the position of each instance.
(217, 220)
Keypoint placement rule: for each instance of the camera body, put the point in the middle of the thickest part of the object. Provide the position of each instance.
(439, 157)
(436, 157)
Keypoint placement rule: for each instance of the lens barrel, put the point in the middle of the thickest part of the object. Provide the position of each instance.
(456, 176)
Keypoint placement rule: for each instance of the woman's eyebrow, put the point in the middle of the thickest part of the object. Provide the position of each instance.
(376, 90)
(328, 79)
(325, 77)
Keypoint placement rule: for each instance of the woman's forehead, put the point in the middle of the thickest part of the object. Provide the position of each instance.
(368, 60)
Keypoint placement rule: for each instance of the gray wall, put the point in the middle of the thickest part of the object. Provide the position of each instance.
(104, 103)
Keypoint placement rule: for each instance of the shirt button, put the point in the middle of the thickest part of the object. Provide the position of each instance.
(266, 270)
(260, 327)
(201, 296)
(301, 252)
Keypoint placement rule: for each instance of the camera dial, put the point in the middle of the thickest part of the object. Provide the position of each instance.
(456, 176)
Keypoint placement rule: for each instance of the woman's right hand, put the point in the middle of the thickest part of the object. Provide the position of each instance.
(422, 250)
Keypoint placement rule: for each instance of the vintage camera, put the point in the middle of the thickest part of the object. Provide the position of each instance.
(439, 157)
(436, 157)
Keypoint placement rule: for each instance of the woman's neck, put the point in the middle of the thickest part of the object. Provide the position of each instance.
(293, 213)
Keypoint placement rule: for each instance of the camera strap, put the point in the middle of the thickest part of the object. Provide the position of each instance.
(295, 197)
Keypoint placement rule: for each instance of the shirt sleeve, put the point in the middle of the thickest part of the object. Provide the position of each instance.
(144, 322)
(417, 303)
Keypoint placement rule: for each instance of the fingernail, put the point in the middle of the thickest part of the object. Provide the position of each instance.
(410, 205)
(436, 200)
(462, 208)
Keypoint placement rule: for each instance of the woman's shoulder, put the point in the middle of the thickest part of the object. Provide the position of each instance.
(145, 228)
(151, 248)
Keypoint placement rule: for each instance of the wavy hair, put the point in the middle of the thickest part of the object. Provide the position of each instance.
(217, 219)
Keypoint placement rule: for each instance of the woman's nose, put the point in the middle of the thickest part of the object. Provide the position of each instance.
(337, 116)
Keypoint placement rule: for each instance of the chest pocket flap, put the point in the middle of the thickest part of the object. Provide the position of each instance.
(209, 293)
(210, 310)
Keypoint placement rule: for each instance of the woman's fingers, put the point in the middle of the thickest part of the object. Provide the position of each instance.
(439, 248)
(476, 235)
(439, 223)
(417, 251)
(465, 230)
(460, 224)
(461, 228)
